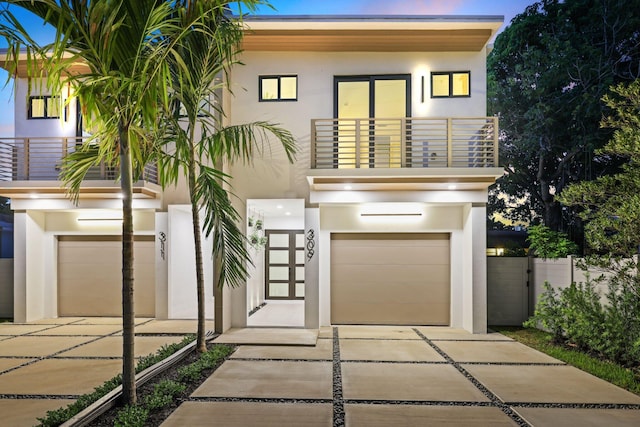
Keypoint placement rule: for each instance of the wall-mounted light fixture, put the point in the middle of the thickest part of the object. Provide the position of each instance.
(422, 89)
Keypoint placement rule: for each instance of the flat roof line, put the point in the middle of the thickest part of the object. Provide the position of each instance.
(376, 18)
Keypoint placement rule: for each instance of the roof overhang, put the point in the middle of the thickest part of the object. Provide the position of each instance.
(88, 190)
(435, 179)
(369, 33)
(24, 67)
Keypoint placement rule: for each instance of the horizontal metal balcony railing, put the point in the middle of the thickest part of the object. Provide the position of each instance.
(39, 159)
(404, 143)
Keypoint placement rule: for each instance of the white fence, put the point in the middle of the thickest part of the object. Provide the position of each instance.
(514, 285)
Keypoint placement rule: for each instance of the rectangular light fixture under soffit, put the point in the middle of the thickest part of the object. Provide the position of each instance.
(98, 219)
(391, 214)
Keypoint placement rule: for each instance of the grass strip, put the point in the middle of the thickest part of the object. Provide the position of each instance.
(604, 369)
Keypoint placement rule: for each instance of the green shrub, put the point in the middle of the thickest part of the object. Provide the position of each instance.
(131, 416)
(163, 394)
(549, 244)
(575, 314)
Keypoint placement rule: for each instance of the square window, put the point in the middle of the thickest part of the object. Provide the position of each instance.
(460, 84)
(440, 85)
(278, 88)
(450, 84)
(44, 107)
(269, 90)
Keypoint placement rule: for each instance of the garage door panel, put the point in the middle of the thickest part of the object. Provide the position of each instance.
(90, 277)
(390, 279)
(386, 275)
(397, 314)
(392, 255)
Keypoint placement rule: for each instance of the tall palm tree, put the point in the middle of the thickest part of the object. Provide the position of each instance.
(201, 142)
(124, 45)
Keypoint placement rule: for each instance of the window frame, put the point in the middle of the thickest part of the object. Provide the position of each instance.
(278, 98)
(46, 116)
(450, 74)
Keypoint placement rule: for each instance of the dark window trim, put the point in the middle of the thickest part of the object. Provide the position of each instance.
(371, 78)
(450, 74)
(46, 115)
(278, 97)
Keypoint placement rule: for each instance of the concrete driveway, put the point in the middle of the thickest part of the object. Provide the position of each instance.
(402, 376)
(48, 364)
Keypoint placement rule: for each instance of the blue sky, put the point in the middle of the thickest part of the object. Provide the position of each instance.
(508, 8)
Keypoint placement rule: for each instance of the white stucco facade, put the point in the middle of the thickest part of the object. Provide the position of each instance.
(448, 201)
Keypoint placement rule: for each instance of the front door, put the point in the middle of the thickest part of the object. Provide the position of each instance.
(284, 255)
(362, 141)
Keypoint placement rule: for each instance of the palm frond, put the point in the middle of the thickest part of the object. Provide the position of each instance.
(220, 222)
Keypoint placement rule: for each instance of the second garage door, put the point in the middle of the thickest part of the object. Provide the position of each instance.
(90, 276)
(390, 279)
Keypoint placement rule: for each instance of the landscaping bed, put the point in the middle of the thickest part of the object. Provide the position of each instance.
(165, 379)
(625, 377)
(156, 403)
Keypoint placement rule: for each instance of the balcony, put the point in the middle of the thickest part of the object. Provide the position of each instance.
(404, 143)
(32, 165)
(404, 154)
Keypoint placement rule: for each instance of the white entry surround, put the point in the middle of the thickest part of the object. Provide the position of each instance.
(176, 266)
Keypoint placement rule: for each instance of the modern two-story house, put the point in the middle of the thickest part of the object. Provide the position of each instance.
(380, 220)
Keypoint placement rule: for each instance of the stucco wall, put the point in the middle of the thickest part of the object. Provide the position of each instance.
(272, 176)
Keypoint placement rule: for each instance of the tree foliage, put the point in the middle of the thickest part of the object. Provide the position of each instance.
(124, 47)
(547, 74)
(548, 244)
(610, 205)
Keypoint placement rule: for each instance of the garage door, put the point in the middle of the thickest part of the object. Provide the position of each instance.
(390, 279)
(90, 276)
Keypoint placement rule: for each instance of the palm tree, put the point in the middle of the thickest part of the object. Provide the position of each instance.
(201, 143)
(125, 46)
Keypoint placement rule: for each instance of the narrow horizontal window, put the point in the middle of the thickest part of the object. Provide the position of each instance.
(450, 84)
(278, 88)
(44, 107)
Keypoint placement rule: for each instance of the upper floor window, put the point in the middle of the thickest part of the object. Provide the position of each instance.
(278, 88)
(450, 84)
(44, 107)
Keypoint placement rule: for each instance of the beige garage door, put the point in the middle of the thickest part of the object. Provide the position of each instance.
(390, 279)
(90, 276)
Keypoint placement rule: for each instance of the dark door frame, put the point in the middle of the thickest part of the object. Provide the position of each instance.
(292, 248)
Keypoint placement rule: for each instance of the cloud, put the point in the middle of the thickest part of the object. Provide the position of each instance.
(410, 7)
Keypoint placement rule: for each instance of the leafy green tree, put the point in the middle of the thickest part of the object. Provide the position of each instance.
(610, 205)
(549, 244)
(199, 142)
(546, 74)
(124, 46)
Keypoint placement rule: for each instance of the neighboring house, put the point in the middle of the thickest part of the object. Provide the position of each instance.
(381, 219)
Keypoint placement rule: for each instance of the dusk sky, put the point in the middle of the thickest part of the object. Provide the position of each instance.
(507, 8)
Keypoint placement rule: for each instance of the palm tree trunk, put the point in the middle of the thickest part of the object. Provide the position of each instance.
(201, 345)
(128, 313)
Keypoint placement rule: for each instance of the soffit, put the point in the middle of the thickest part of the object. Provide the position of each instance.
(370, 34)
(366, 40)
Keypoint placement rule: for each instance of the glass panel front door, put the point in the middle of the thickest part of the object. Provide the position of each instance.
(284, 255)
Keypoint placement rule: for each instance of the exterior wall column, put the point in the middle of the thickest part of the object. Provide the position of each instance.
(29, 263)
(312, 269)
(475, 269)
(162, 265)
